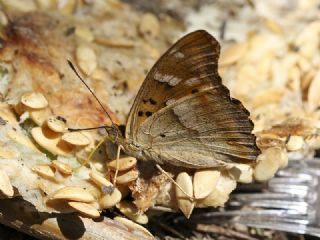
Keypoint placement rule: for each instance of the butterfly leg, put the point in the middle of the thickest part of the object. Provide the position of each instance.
(85, 162)
(191, 198)
(117, 164)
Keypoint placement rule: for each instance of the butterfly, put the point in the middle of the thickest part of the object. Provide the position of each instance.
(183, 115)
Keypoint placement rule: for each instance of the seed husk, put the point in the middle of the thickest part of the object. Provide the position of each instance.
(62, 167)
(39, 116)
(34, 100)
(50, 141)
(149, 25)
(100, 180)
(233, 53)
(132, 225)
(127, 177)
(242, 173)
(86, 59)
(125, 163)
(72, 193)
(184, 203)
(76, 138)
(116, 43)
(85, 209)
(220, 194)
(57, 124)
(204, 182)
(268, 163)
(110, 200)
(295, 143)
(44, 171)
(131, 211)
(84, 33)
(5, 184)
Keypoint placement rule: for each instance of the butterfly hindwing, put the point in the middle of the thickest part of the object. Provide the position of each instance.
(183, 115)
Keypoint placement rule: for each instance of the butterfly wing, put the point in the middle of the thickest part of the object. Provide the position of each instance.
(184, 115)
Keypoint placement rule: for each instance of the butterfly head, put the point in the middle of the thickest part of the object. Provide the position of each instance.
(114, 133)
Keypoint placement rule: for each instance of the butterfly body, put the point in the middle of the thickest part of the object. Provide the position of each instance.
(184, 116)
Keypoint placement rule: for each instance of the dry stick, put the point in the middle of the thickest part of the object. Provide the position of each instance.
(174, 182)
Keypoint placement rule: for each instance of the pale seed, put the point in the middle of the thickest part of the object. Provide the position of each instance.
(313, 93)
(50, 141)
(84, 33)
(125, 163)
(184, 203)
(18, 137)
(73, 194)
(67, 7)
(127, 177)
(86, 59)
(272, 26)
(295, 143)
(116, 43)
(7, 153)
(40, 116)
(99, 74)
(85, 209)
(220, 194)
(76, 138)
(132, 225)
(5, 184)
(149, 25)
(242, 173)
(268, 162)
(44, 171)
(62, 167)
(233, 53)
(110, 200)
(34, 100)
(204, 182)
(131, 211)
(57, 124)
(100, 180)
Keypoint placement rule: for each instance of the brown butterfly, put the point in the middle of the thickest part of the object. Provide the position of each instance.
(183, 115)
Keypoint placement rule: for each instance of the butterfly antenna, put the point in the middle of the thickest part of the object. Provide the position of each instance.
(87, 86)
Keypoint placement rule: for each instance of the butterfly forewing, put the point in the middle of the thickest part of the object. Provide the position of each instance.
(183, 115)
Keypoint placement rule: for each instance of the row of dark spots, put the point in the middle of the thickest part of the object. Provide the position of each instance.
(147, 113)
(150, 100)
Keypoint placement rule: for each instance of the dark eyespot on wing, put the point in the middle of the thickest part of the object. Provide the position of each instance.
(148, 113)
(194, 91)
(140, 113)
(153, 102)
